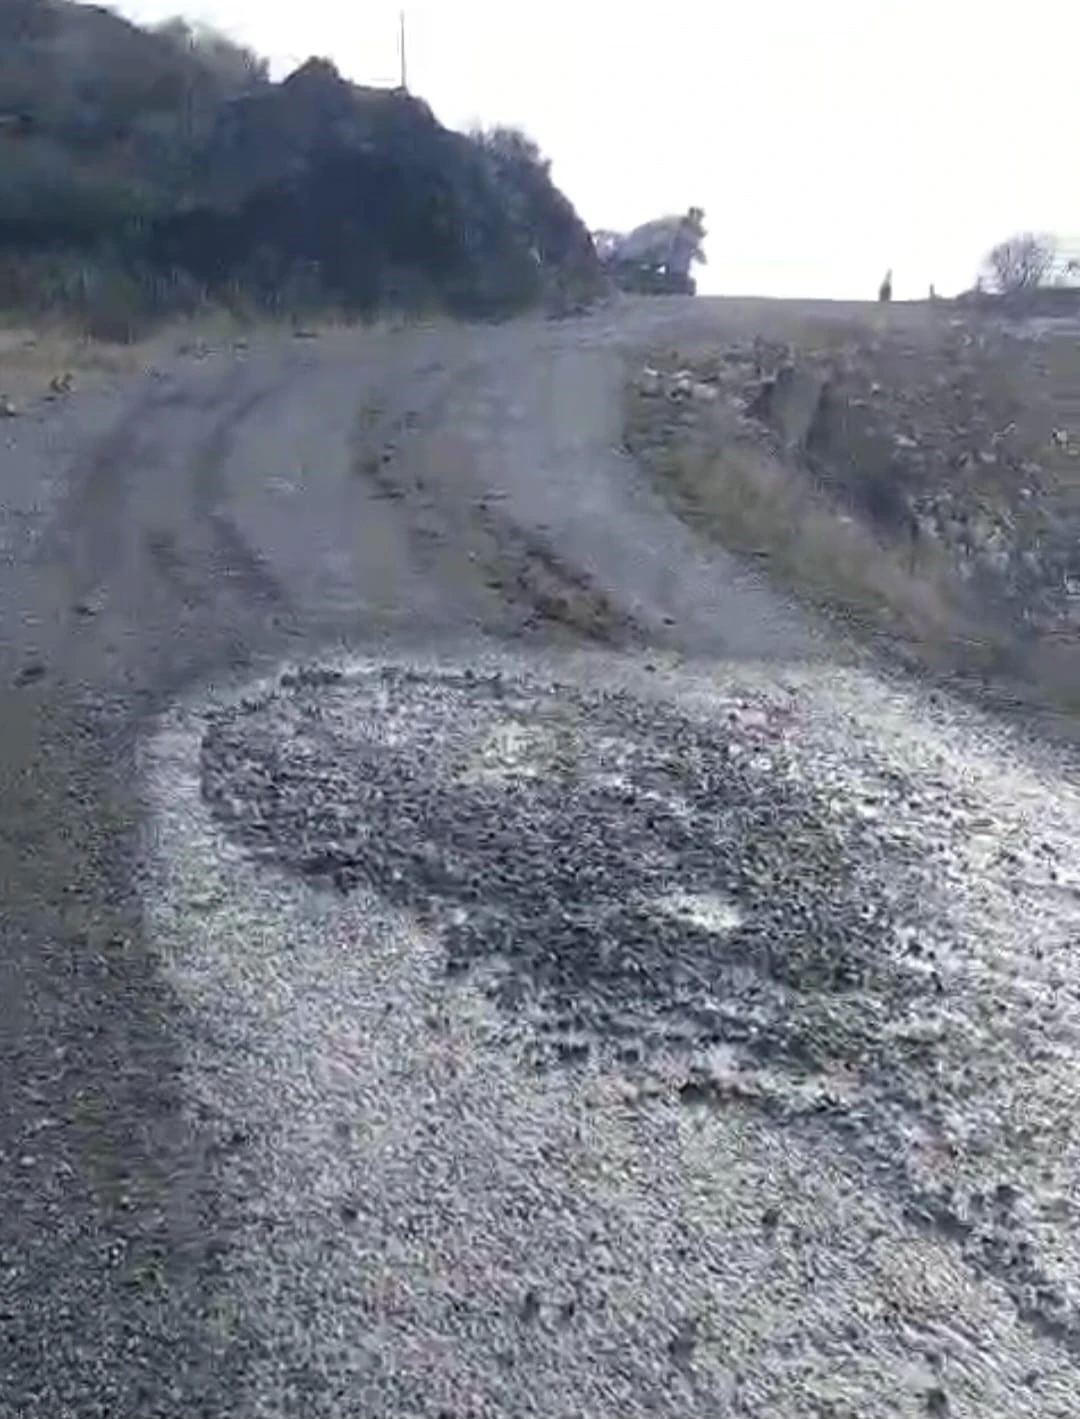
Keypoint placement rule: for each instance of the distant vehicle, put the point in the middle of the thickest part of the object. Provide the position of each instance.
(655, 258)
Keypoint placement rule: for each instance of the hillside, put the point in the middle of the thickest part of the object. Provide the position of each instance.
(145, 172)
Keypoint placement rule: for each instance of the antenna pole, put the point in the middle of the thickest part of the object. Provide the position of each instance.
(401, 49)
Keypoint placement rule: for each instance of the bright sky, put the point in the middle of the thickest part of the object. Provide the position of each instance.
(826, 140)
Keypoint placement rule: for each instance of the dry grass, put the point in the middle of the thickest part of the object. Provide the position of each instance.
(47, 360)
(30, 360)
(764, 509)
(42, 361)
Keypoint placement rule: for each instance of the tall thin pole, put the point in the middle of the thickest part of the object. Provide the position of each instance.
(401, 48)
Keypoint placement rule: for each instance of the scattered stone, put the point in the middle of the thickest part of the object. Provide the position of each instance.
(90, 605)
(562, 880)
(684, 1342)
(30, 674)
(1006, 1196)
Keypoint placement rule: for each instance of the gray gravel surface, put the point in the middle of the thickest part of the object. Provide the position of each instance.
(469, 950)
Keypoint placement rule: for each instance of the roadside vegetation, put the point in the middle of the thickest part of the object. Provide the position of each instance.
(149, 175)
(913, 473)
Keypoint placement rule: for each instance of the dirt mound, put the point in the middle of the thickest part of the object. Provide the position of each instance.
(968, 440)
(956, 443)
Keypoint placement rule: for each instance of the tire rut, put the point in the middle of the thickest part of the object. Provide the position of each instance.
(246, 570)
(516, 563)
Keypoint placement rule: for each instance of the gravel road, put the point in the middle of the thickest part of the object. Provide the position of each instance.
(469, 949)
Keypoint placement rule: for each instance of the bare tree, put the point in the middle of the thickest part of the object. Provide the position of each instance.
(1022, 263)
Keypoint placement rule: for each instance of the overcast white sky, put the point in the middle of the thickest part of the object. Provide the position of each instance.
(826, 139)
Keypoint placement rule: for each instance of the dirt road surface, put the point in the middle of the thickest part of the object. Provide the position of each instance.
(469, 949)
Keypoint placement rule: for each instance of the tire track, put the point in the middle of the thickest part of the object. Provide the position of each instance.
(249, 574)
(520, 565)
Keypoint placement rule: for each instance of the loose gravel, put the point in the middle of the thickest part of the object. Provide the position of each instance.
(578, 849)
(593, 1041)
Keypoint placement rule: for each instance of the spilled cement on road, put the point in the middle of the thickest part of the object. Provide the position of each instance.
(652, 1041)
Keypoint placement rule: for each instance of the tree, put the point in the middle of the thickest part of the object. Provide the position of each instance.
(512, 147)
(233, 68)
(1021, 263)
(557, 253)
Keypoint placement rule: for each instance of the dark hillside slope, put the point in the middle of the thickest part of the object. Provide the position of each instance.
(159, 169)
